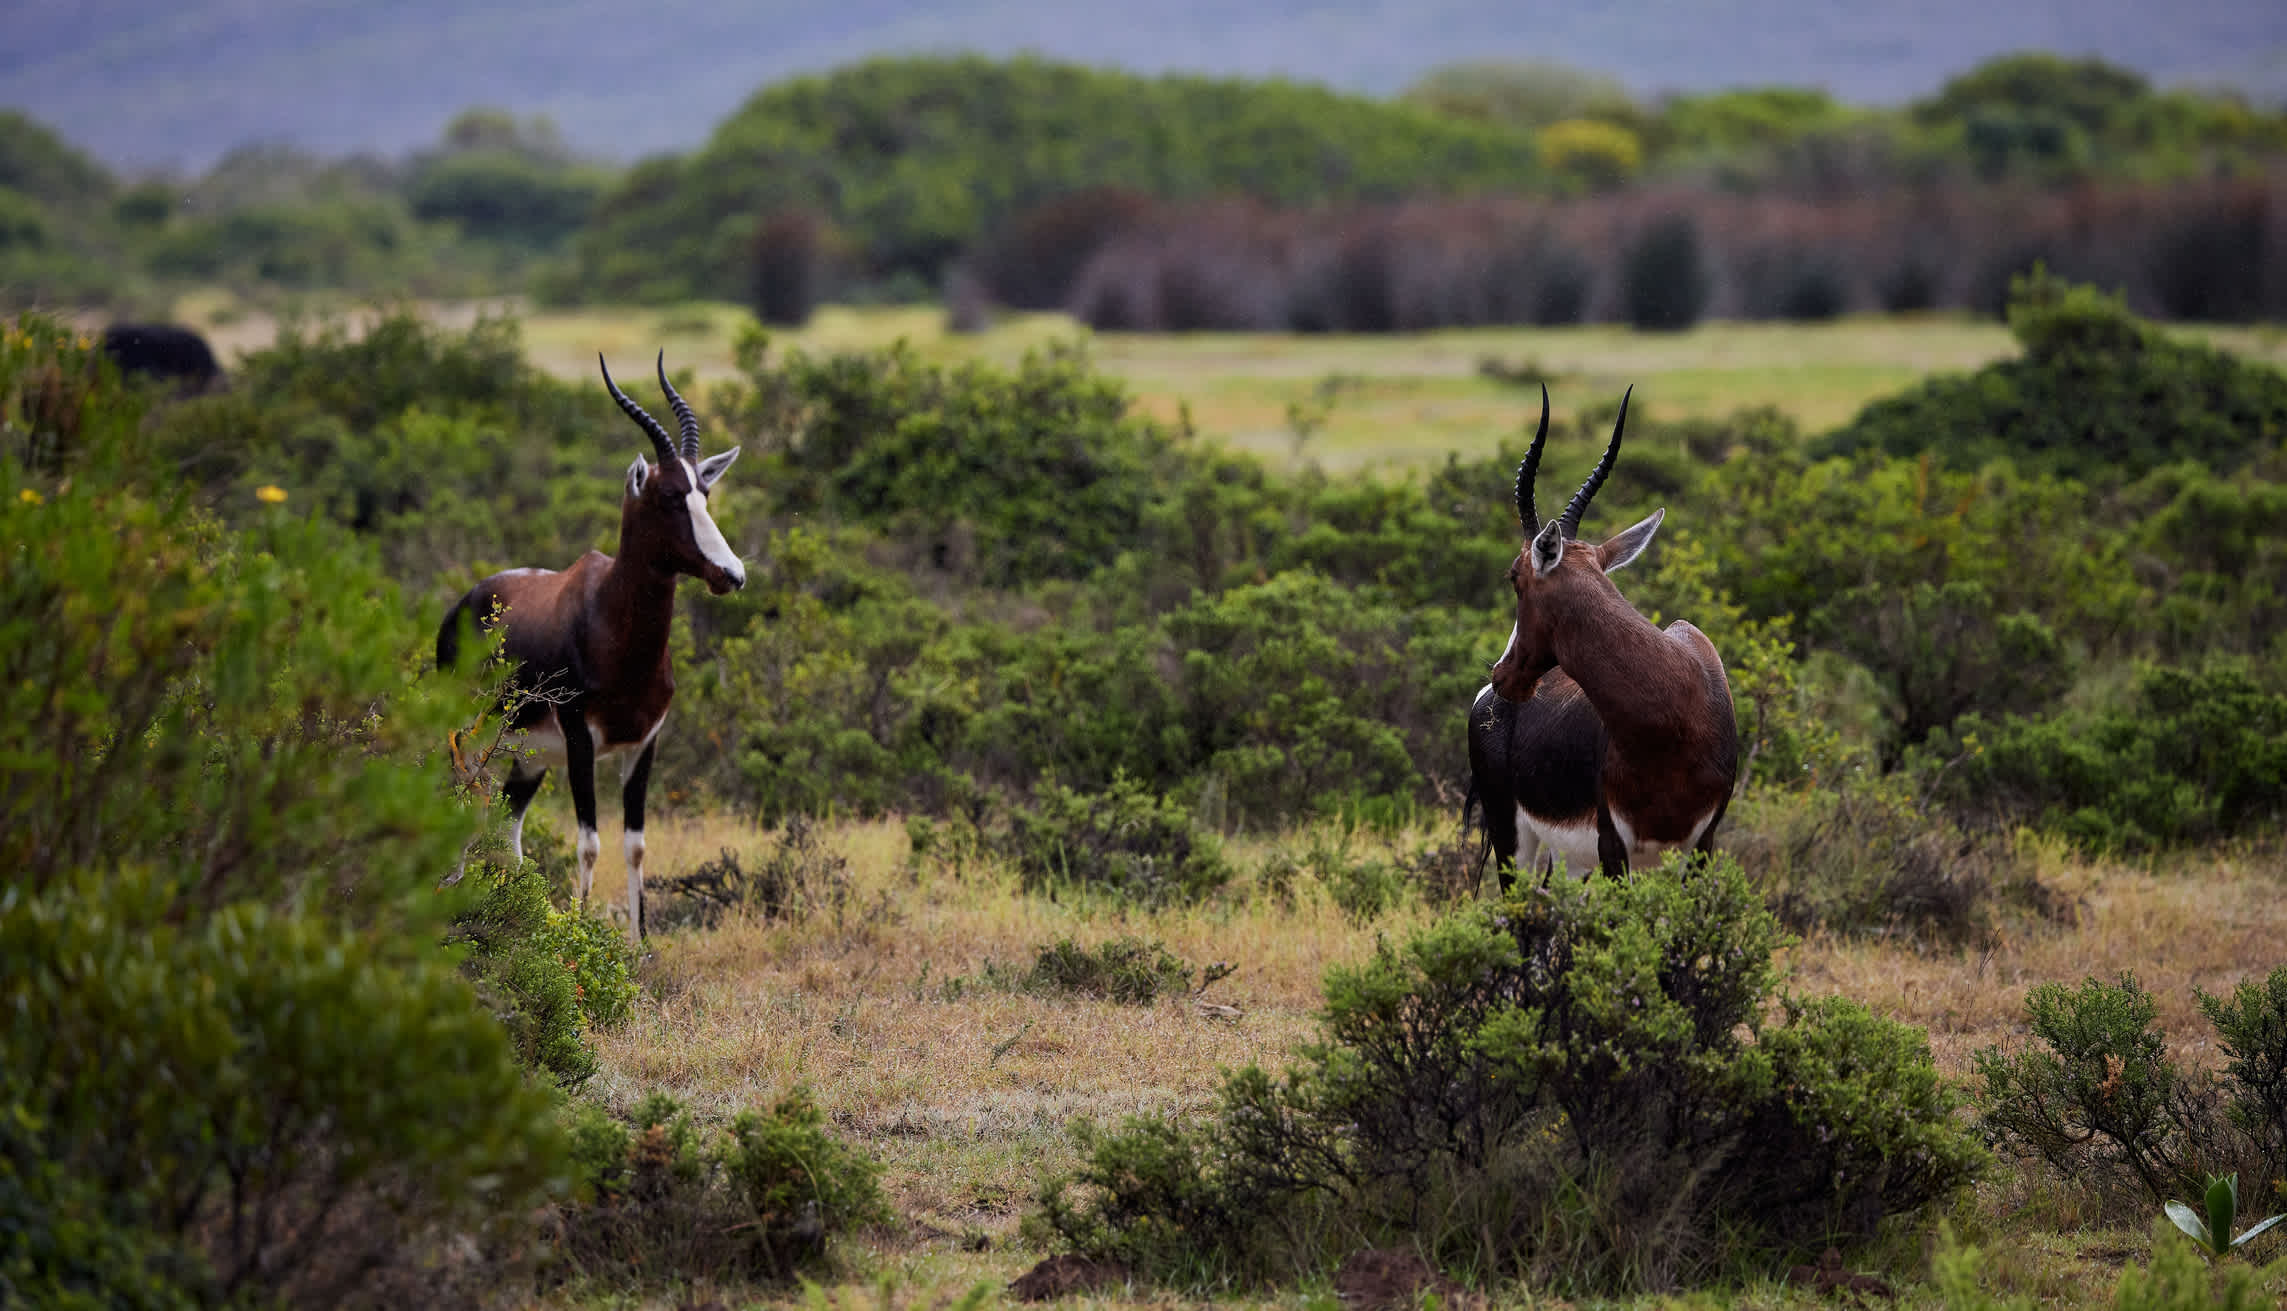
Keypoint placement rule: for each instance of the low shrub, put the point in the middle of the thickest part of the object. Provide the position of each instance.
(1125, 840)
(1587, 1086)
(299, 1127)
(759, 1199)
(2195, 756)
(1126, 969)
(2101, 1102)
(1868, 857)
(2097, 394)
(798, 876)
(548, 975)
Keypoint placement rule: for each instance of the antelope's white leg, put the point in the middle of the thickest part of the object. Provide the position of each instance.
(516, 839)
(591, 846)
(1528, 857)
(633, 845)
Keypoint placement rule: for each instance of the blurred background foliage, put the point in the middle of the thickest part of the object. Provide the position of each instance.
(893, 178)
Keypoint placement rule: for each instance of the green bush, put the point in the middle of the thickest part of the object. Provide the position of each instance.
(300, 1120)
(1946, 651)
(757, 1199)
(2251, 1029)
(1125, 969)
(1125, 840)
(2197, 755)
(1596, 1060)
(915, 158)
(2101, 1102)
(1863, 855)
(213, 771)
(2097, 394)
(506, 196)
(549, 976)
(1005, 477)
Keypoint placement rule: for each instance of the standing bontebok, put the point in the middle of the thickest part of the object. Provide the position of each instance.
(590, 644)
(1601, 740)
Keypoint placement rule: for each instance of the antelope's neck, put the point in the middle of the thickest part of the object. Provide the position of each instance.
(1648, 689)
(636, 607)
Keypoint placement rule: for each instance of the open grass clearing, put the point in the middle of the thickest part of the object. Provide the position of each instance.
(964, 1089)
(1404, 399)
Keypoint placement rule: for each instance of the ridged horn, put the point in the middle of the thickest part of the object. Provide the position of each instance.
(1526, 514)
(1587, 492)
(650, 425)
(683, 415)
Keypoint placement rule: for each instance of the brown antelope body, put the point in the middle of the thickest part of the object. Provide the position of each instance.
(589, 643)
(1601, 741)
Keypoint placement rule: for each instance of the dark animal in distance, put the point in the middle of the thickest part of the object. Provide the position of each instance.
(589, 644)
(165, 352)
(1600, 740)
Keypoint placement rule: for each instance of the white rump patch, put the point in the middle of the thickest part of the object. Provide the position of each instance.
(1571, 846)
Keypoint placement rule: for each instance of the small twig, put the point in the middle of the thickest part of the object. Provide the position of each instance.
(1212, 975)
(1002, 1049)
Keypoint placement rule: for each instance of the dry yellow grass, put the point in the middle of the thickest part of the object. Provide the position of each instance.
(965, 1092)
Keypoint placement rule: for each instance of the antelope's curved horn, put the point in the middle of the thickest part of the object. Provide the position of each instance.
(1587, 492)
(683, 416)
(634, 411)
(1526, 514)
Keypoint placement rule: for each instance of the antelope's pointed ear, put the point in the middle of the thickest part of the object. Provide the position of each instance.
(1628, 543)
(1548, 548)
(712, 467)
(638, 474)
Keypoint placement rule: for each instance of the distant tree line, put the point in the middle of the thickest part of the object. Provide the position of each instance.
(1656, 257)
(909, 178)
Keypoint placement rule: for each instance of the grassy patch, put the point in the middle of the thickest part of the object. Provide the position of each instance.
(964, 1094)
(1412, 398)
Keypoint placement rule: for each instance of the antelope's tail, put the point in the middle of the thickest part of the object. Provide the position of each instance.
(1470, 801)
(449, 634)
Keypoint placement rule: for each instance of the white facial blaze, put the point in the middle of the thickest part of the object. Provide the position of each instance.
(1511, 648)
(709, 537)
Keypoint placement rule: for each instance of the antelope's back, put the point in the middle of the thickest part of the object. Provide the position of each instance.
(533, 595)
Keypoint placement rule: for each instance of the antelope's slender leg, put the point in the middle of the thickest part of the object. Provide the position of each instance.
(1704, 849)
(520, 789)
(1611, 852)
(580, 772)
(634, 780)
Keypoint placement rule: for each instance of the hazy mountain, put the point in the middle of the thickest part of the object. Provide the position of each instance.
(176, 82)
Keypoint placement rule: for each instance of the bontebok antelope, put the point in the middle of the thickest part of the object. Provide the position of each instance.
(590, 644)
(1601, 740)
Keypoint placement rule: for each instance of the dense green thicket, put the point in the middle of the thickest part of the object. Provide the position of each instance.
(2097, 395)
(969, 586)
(914, 158)
(263, 1050)
(1594, 1087)
(240, 1064)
